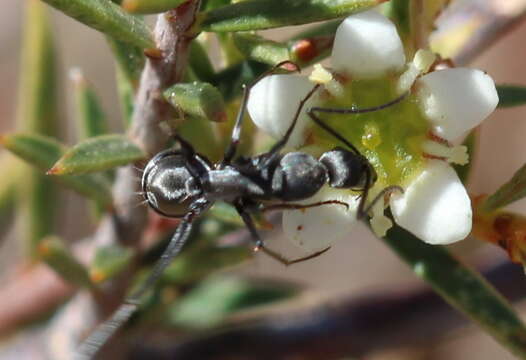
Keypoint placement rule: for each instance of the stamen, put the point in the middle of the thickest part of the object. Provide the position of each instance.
(379, 222)
(322, 76)
(420, 65)
(452, 154)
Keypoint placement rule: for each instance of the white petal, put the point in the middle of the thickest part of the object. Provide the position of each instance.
(273, 102)
(316, 228)
(457, 100)
(367, 45)
(435, 207)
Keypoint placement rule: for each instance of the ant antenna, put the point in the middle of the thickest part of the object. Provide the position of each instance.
(92, 344)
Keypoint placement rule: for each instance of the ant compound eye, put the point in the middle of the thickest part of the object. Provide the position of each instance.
(168, 186)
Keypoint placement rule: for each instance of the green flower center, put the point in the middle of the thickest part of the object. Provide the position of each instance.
(390, 138)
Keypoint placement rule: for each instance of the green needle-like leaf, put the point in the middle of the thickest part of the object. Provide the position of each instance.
(511, 95)
(37, 113)
(129, 63)
(150, 6)
(90, 117)
(461, 287)
(130, 59)
(43, 152)
(199, 61)
(216, 298)
(199, 262)
(109, 261)
(513, 190)
(97, 154)
(260, 49)
(197, 99)
(36, 110)
(303, 52)
(14, 171)
(265, 14)
(60, 259)
(108, 18)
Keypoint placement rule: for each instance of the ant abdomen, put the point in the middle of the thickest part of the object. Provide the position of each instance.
(345, 168)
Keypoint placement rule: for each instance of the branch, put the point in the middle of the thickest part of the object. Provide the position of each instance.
(165, 66)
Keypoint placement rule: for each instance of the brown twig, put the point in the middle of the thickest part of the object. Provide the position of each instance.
(164, 66)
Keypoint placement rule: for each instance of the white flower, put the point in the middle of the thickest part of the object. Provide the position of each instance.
(443, 106)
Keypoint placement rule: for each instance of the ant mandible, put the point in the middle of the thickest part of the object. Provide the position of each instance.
(181, 183)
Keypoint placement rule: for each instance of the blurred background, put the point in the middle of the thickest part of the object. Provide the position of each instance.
(355, 267)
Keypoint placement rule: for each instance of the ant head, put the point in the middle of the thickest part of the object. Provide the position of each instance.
(168, 185)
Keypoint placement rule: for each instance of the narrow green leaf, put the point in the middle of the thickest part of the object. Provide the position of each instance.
(200, 133)
(218, 297)
(108, 18)
(126, 96)
(327, 28)
(197, 99)
(129, 62)
(225, 213)
(13, 171)
(90, 117)
(91, 122)
(130, 59)
(199, 61)
(260, 49)
(229, 53)
(398, 12)
(265, 14)
(511, 95)
(213, 4)
(43, 152)
(513, 190)
(37, 113)
(461, 287)
(303, 52)
(199, 262)
(109, 261)
(230, 80)
(150, 6)
(60, 259)
(38, 207)
(97, 154)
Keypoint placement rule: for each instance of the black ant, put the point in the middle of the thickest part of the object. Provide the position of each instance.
(181, 183)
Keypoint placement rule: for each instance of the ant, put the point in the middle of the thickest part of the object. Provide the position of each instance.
(181, 183)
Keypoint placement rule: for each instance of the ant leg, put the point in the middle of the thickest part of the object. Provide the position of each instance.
(283, 141)
(285, 206)
(352, 110)
(247, 219)
(236, 131)
(96, 340)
